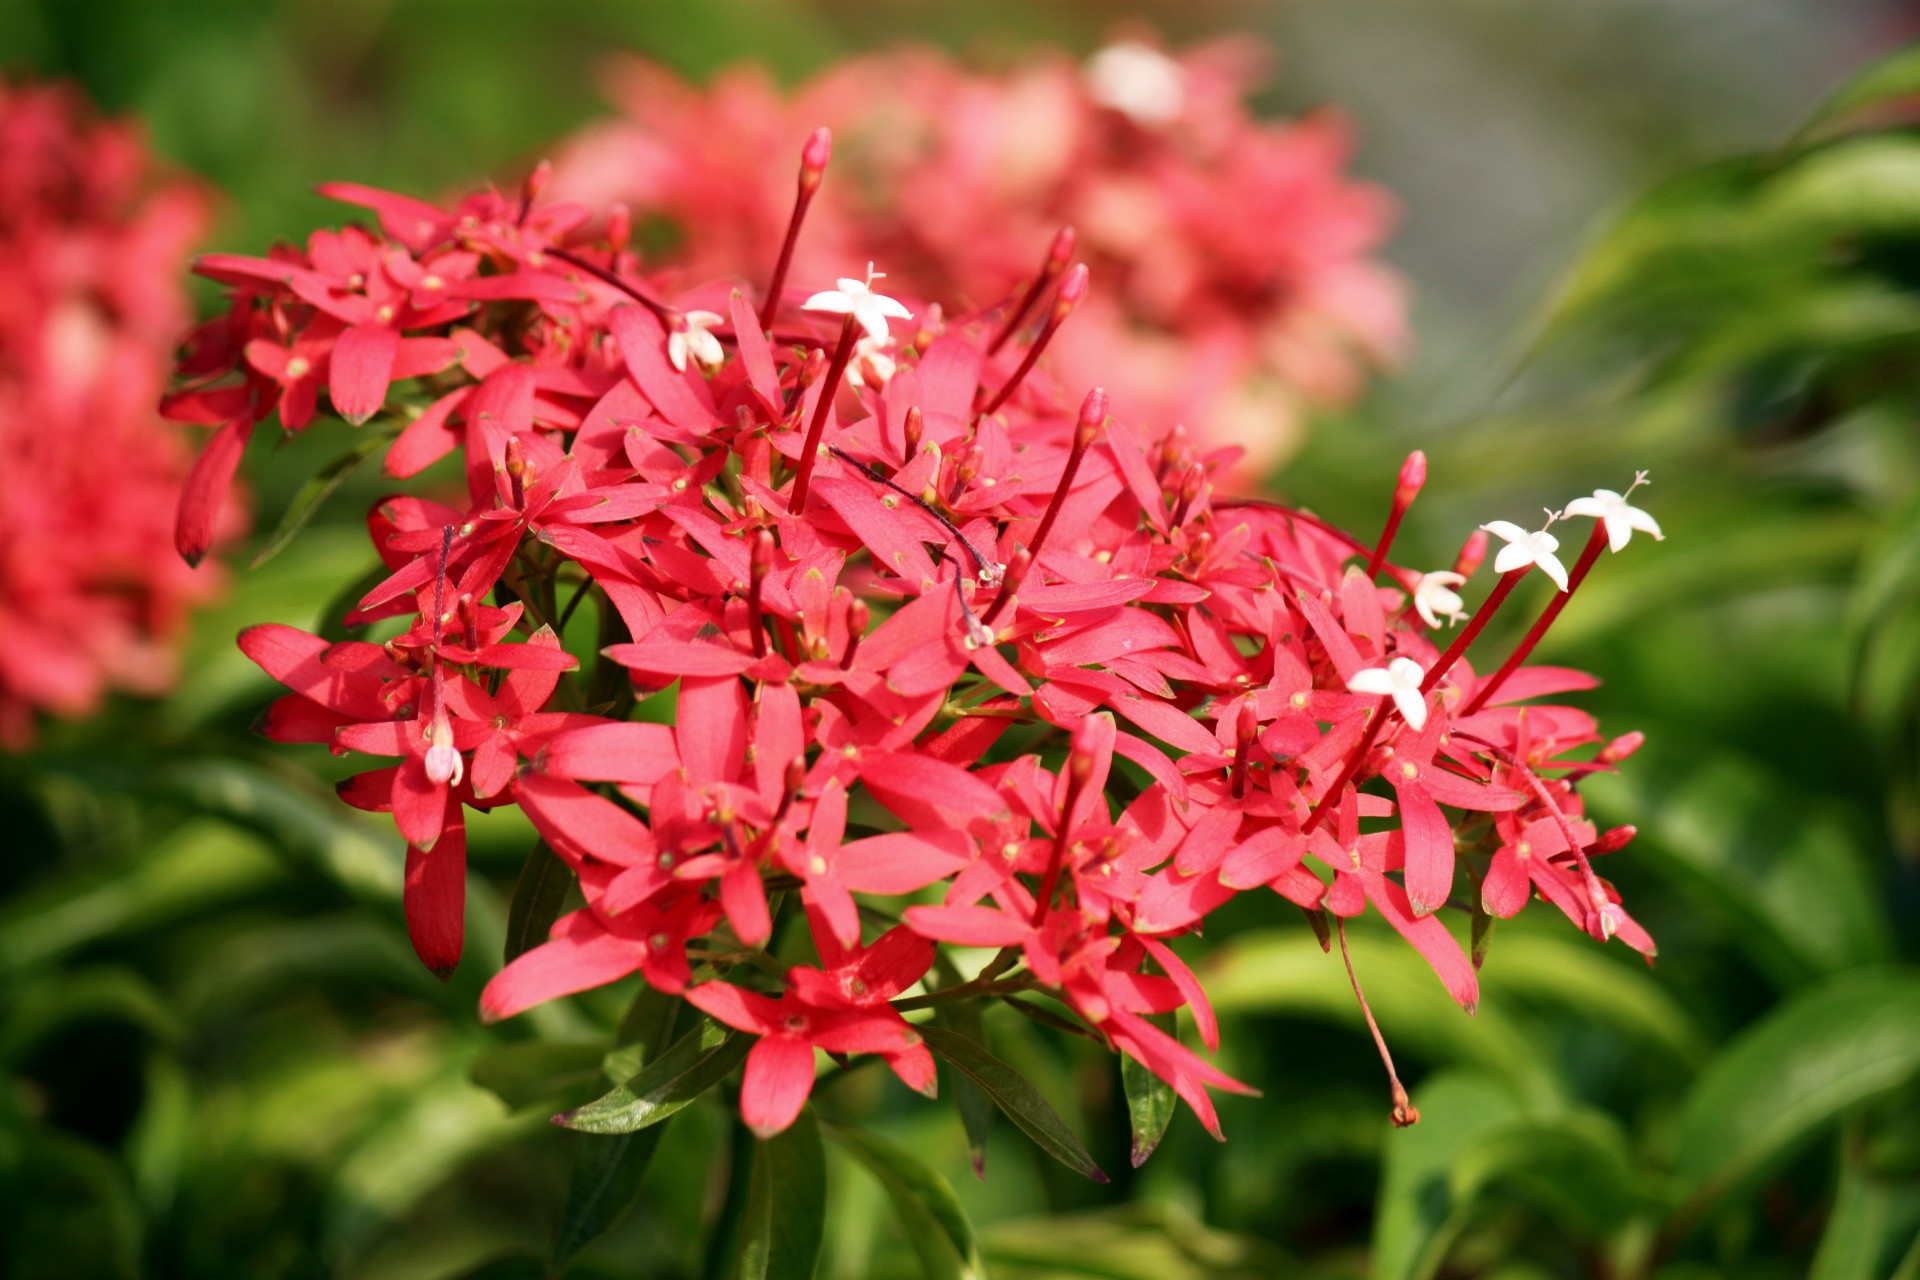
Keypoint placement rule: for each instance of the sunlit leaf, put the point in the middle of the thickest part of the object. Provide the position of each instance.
(694, 1064)
(318, 488)
(1015, 1095)
(786, 1210)
(931, 1217)
(538, 896)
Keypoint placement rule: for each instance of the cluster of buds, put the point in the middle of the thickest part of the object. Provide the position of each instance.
(1238, 291)
(92, 241)
(998, 690)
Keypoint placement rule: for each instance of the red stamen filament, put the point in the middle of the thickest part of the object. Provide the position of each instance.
(1404, 1112)
(1079, 770)
(1072, 289)
(1058, 254)
(813, 164)
(810, 451)
(1524, 650)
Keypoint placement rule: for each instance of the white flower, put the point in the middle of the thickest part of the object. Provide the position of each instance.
(871, 364)
(691, 338)
(1399, 680)
(1434, 598)
(1138, 81)
(1620, 516)
(1524, 548)
(856, 298)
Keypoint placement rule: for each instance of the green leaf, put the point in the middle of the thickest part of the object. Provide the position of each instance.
(694, 1064)
(976, 1110)
(930, 1214)
(538, 1071)
(786, 1213)
(1015, 1095)
(606, 1181)
(1791, 1075)
(1419, 1215)
(1874, 1217)
(1150, 1100)
(1575, 1167)
(537, 898)
(318, 488)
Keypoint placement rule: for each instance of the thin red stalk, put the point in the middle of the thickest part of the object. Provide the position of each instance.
(1072, 289)
(1078, 770)
(1404, 1112)
(813, 165)
(1475, 625)
(1413, 476)
(810, 451)
(1332, 794)
(1058, 254)
(1524, 650)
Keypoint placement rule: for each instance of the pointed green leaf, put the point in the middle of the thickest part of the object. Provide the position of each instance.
(1890, 80)
(1874, 1217)
(534, 1071)
(930, 1214)
(537, 898)
(786, 1213)
(976, 1110)
(1793, 1074)
(1150, 1100)
(318, 488)
(607, 1176)
(1015, 1095)
(697, 1061)
(1418, 1215)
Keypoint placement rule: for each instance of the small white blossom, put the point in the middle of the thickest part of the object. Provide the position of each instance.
(856, 298)
(871, 365)
(1138, 81)
(1399, 680)
(1434, 598)
(1525, 547)
(691, 337)
(1620, 516)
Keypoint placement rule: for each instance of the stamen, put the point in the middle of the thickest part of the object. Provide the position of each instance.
(1413, 474)
(1058, 255)
(858, 616)
(1079, 771)
(1243, 736)
(813, 167)
(1596, 542)
(1404, 1112)
(810, 451)
(1093, 416)
(761, 561)
(1016, 574)
(1072, 290)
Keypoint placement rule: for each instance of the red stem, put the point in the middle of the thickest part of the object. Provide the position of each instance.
(810, 451)
(1469, 633)
(1588, 555)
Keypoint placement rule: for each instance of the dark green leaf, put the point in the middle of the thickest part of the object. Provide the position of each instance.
(607, 1176)
(1791, 1075)
(976, 1110)
(1014, 1094)
(786, 1214)
(697, 1061)
(537, 898)
(1576, 1167)
(1874, 1217)
(318, 488)
(1418, 1216)
(1150, 1099)
(930, 1214)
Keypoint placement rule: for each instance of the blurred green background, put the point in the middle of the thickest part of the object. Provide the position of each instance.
(1627, 248)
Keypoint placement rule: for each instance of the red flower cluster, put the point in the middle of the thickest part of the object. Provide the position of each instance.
(92, 239)
(1237, 291)
(948, 655)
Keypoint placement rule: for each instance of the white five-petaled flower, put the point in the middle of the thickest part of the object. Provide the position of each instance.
(1621, 517)
(1525, 547)
(1399, 680)
(856, 298)
(1434, 598)
(1138, 81)
(691, 337)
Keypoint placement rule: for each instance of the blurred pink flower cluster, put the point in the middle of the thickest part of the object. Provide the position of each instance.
(1237, 288)
(93, 242)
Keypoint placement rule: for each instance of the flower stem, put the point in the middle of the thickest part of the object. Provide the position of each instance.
(1524, 650)
(1475, 625)
(810, 451)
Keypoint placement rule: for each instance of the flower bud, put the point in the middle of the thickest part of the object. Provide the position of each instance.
(619, 227)
(814, 157)
(1093, 414)
(1413, 475)
(1472, 554)
(1072, 289)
